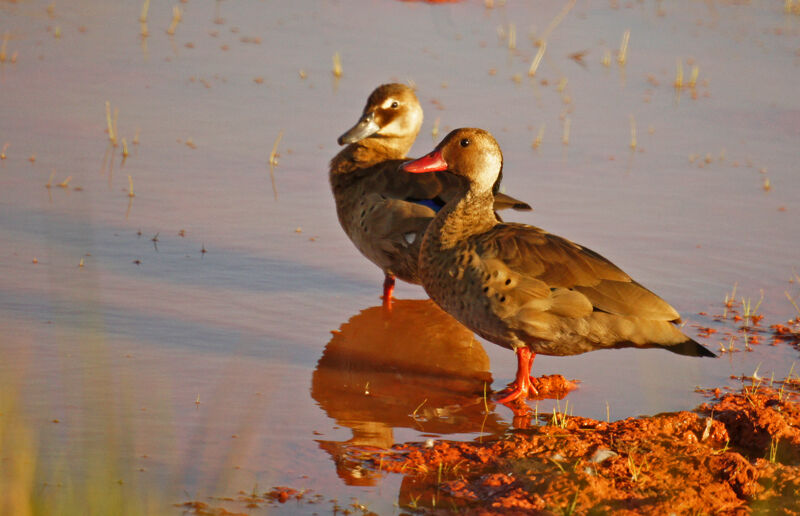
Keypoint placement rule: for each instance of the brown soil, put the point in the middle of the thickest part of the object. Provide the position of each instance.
(737, 454)
(553, 386)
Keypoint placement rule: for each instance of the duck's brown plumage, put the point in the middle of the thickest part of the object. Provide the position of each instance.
(374, 198)
(522, 287)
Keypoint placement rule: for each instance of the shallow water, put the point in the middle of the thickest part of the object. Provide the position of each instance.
(209, 372)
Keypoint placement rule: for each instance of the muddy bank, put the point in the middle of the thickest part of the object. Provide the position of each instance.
(737, 453)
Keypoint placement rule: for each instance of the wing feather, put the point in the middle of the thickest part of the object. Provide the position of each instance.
(530, 253)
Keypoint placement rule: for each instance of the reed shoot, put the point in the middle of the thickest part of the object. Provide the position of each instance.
(414, 414)
(337, 65)
(606, 61)
(6, 36)
(749, 310)
(143, 15)
(538, 140)
(622, 56)
(634, 469)
(111, 136)
(773, 449)
(176, 19)
(273, 162)
(116, 133)
(794, 303)
(633, 133)
(730, 298)
(693, 77)
(130, 187)
(565, 136)
(557, 20)
(537, 59)
(273, 156)
(679, 75)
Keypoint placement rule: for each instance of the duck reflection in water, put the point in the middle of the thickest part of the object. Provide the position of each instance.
(414, 367)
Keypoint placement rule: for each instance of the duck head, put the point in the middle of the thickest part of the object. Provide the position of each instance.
(392, 111)
(469, 153)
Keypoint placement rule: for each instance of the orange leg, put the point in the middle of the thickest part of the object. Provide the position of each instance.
(523, 385)
(388, 290)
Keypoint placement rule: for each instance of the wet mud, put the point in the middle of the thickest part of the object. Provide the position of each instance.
(737, 453)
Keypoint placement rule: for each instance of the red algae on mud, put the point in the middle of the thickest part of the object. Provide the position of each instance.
(747, 328)
(738, 453)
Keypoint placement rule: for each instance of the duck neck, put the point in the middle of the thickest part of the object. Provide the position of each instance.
(469, 214)
(369, 152)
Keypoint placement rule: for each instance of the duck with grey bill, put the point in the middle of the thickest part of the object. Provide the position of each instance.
(523, 288)
(384, 210)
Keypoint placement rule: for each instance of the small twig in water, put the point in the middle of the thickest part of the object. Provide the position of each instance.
(537, 59)
(111, 136)
(622, 57)
(414, 414)
(337, 65)
(273, 162)
(794, 304)
(176, 18)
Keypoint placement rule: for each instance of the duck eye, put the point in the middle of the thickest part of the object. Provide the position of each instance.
(395, 104)
(464, 142)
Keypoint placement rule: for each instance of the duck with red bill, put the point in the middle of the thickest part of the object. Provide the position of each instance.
(523, 288)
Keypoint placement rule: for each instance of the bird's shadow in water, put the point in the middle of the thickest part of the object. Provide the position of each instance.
(411, 367)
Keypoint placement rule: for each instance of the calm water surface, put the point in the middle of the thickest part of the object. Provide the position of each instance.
(265, 360)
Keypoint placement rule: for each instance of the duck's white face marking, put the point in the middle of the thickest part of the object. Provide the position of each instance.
(407, 118)
(410, 237)
(490, 164)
